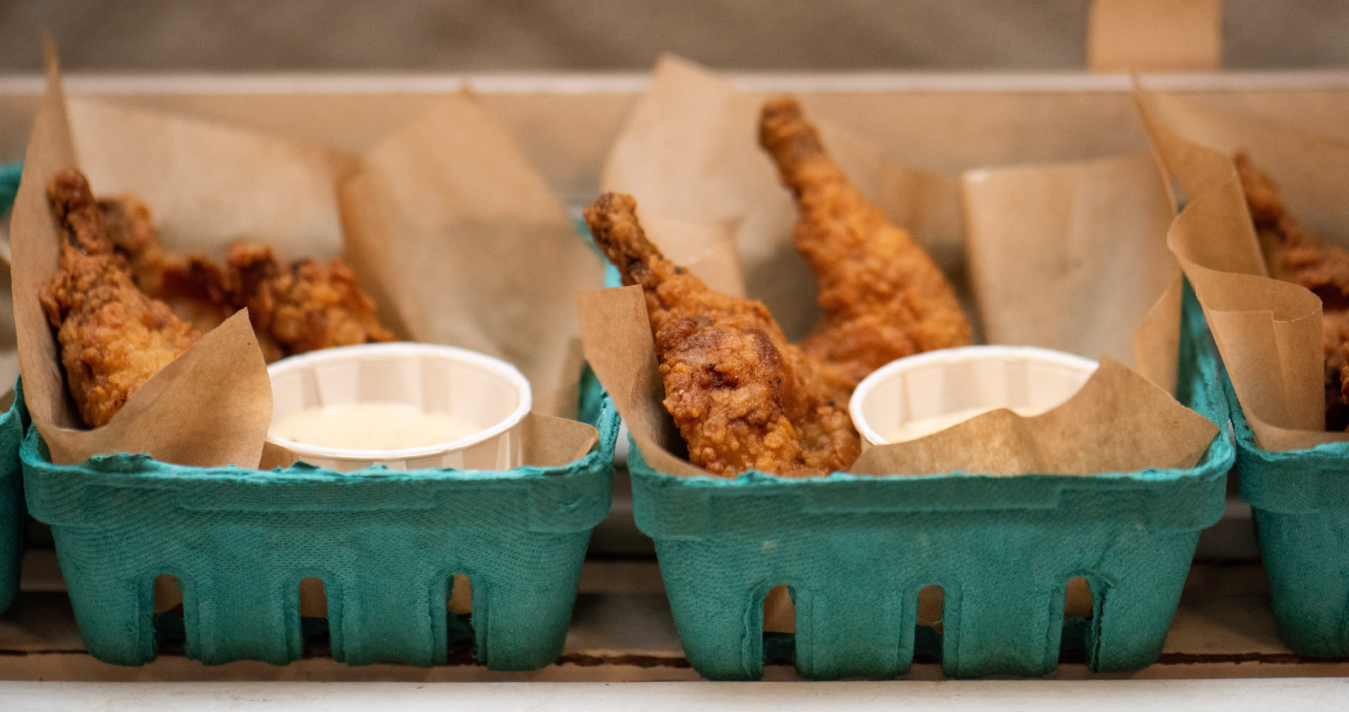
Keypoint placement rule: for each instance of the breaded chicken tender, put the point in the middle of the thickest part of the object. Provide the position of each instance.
(1295, 254)
(742, 397)
(302, 306)
(113, 337)
(883, 297)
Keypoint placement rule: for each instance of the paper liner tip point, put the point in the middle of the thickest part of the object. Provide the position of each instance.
(51, 58)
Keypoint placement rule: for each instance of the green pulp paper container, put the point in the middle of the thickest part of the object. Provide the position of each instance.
(855, 551)
(1300, 501)
(12, 512)
(12, 425)
(386, 545)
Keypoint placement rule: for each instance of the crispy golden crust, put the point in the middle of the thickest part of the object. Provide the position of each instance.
(742, 397)
(194, 287)
(1292, 252)
(303, 306)
(113, 337)
(1295, 254)
(883, 297)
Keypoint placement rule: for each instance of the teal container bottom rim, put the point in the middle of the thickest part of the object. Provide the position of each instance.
(780, 648)
(316, 632)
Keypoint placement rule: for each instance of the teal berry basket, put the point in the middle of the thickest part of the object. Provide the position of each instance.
(386, 544)
(13, 423)
(13, 513)
(855, 551)
(1300, 502)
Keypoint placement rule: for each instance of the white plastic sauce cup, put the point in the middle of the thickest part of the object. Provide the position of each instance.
(1027, 379)
(464, 384)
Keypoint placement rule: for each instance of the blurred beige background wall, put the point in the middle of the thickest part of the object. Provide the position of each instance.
(602, 35)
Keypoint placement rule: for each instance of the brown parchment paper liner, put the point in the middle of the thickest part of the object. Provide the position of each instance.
(211, 406)
(1069, 257)
(210, 185)
(461, 243)
(9, 346)
(689, 154)
(1268, 331)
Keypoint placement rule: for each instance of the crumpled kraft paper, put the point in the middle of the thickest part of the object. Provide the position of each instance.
(461, 243)
(1072, 256)
(1268, 331)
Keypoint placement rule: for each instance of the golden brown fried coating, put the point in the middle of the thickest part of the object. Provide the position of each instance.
(1335, 341)
(305, 306)
(194, 287)
(294, 308)
(1295, 254)
(742, 396)
(1292, 252)
(883, 297)
(113, 337)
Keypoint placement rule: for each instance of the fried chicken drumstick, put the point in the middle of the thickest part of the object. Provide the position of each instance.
(113, 337)
(742, 396)
(883, 297)
(1295, 254)
(303, 306)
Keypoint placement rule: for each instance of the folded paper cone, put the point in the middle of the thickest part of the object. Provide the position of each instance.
(483, 392)
(936, 390)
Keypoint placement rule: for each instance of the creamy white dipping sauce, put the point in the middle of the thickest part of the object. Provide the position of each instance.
(914, 429)
(372, 426)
